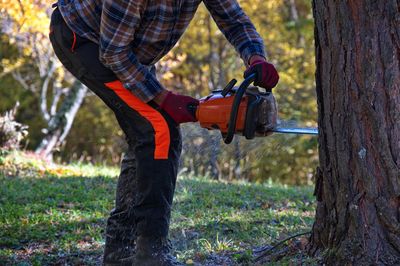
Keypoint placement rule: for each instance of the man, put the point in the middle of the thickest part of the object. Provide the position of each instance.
(111, 46)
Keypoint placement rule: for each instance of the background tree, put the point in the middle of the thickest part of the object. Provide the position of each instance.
(38, 70)
(358, 88)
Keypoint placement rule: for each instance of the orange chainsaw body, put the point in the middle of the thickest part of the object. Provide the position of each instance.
(245, 110)
(214, 112)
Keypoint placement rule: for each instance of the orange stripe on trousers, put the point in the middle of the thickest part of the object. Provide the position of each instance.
(160, 126)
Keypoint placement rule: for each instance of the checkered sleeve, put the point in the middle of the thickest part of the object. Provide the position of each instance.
(119, 20)
(237, 27)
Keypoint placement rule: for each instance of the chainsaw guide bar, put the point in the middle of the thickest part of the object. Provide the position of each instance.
(296, 130)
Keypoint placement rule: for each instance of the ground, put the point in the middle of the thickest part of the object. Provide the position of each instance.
(53, 214)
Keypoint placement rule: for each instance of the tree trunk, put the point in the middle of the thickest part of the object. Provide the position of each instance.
(60, 124)
(358, 90)
(237, 169)
(213, 142)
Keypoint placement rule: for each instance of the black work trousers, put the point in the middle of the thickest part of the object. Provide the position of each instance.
(149, 169)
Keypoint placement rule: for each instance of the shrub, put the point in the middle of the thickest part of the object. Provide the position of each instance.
(11, 132)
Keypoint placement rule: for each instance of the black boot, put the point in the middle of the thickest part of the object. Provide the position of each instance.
(118, 253)
(154, 251)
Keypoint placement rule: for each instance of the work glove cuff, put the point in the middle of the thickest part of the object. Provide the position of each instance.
(180, 108)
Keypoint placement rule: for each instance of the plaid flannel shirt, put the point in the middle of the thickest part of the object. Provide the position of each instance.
(134, 34)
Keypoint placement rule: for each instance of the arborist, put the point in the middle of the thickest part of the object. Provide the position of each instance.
(111, 46)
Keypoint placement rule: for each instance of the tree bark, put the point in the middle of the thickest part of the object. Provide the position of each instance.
(60, 124)
(358, 91)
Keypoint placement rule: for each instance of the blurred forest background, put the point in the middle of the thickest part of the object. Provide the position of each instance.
(68, 123)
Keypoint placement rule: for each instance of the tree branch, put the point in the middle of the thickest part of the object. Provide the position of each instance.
(269, 249)
(43, 94)
(18, 77)
(9, 70)
(56, 98)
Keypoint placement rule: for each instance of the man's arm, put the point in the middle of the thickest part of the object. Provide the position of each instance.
(119, 21)
(237, 28)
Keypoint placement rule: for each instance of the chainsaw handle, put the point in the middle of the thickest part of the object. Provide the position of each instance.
(228, 87)
(235, 107)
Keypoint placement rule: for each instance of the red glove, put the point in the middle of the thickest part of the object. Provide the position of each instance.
(266, 75)
(179, 107)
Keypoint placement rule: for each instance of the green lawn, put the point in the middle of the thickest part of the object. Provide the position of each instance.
(56, 215)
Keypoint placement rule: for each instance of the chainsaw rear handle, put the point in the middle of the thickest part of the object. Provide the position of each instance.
(235, 107)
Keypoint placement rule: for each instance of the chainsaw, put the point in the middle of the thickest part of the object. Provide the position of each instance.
(246, 110)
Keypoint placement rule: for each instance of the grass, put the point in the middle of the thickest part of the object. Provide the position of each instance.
(52, 214)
